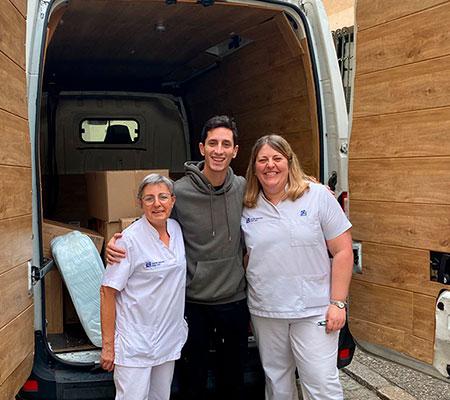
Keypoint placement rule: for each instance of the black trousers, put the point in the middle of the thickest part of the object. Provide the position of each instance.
(223, 327)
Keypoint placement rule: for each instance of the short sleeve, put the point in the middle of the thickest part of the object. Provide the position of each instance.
(116, 276)
(333, 220)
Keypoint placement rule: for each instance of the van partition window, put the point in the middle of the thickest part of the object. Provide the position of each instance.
(109, 131)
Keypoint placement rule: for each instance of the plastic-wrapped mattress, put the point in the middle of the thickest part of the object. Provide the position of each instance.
(82, 271)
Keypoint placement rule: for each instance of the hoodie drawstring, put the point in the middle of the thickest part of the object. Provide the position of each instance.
(226, 214)
(211, 213)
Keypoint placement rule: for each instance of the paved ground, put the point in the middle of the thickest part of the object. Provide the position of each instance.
(353, 390)
(399, 382)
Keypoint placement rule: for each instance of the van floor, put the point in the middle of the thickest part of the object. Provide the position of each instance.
(72, 339)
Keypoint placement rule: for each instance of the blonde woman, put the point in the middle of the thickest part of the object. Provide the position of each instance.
(296, 296)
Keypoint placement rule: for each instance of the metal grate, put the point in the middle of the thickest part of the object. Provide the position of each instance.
(344, 44)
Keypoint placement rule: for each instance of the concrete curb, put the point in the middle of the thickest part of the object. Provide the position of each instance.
(384, 389)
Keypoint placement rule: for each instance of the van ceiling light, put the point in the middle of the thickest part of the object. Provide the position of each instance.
(160, 27)
(228, 46)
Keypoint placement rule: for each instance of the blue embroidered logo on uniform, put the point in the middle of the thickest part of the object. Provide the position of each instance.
(303, 213)
(252, 219)
(153, 264)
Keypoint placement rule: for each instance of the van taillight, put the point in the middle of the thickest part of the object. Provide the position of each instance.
(31, 385)
(343, 201)
(344, 354)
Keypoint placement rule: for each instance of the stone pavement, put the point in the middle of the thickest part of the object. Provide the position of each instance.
(371, 377)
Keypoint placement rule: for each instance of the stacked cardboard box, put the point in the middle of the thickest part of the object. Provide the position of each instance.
(112, 198)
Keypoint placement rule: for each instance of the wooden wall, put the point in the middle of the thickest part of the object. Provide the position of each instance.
(400, 170)
(265, 87)
(16, 318)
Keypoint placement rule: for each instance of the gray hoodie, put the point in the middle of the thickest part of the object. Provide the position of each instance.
(210, 219)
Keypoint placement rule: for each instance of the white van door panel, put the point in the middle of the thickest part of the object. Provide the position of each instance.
(334, 112)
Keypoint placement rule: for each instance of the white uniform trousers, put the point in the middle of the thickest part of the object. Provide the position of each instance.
(288, 343)
(146, 383)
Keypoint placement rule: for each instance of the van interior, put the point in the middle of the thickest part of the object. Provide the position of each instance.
(128, 85)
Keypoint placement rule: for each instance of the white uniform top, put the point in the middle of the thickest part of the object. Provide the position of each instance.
(289, 271)
(150, 327)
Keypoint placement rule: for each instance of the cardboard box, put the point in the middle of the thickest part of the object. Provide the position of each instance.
(112, 194)
(126, 222)
(51, 229)
(107, 229)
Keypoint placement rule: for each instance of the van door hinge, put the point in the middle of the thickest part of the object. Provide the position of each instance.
(37, 273)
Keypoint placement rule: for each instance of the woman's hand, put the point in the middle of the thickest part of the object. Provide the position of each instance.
(114, 254)
(107, 358)
(335, 318)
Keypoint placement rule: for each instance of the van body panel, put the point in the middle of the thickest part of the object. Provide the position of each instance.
(16, 302)
(399, 172)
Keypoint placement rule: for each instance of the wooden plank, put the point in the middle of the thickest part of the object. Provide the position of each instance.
(382, 305)
(418, 37)
(420, 85)
(54, 302)
(411, 134)
(299, 141)
(16, 233)
(421, 226)
(14, 297)
(377, 334)
(13, 96)
(398, 267)
(15, 192)
(370, 13)
(401, 179)
(290, 37)
(14, 382)
(424, 311)
(419, 348)
(15, 148)
(12, 33)
(16, 342)
(21, 5)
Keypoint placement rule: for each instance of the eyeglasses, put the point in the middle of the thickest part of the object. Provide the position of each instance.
(162, 197)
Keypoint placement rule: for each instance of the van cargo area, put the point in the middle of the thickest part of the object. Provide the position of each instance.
(128, 86)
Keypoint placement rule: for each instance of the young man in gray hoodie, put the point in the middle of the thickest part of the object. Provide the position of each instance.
(208, 208)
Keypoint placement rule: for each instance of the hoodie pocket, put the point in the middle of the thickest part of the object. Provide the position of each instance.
(216, 280)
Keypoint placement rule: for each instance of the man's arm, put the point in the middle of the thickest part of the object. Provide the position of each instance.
(108, 319)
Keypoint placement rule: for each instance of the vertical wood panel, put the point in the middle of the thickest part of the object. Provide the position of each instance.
(15, 147)
(382, 305)
(14, 382)
(418, 37)
(409, 134)
(424, 316)
(13, 96)
(16, 342)
(411, 87)
(15, 192)
(401, 180)
(14, 296)
(15, 234)
(421, 226)
(370, 13)
(12, 39)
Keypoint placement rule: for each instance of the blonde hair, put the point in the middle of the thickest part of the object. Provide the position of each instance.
(297, 182)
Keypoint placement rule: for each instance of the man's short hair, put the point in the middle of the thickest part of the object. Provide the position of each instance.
(220, 121)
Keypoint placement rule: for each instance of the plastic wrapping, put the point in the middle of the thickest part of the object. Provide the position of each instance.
(82, 271)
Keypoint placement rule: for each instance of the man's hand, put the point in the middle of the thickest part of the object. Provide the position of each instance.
(107, 358)
(335, 318)
(114, 254)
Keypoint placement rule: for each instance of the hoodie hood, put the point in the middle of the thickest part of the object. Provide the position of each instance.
(194, 170)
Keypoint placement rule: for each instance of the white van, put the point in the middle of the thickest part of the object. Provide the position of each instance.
(157, 70)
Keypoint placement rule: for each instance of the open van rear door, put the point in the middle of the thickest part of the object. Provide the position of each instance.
(333, 113)
(16, 302)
